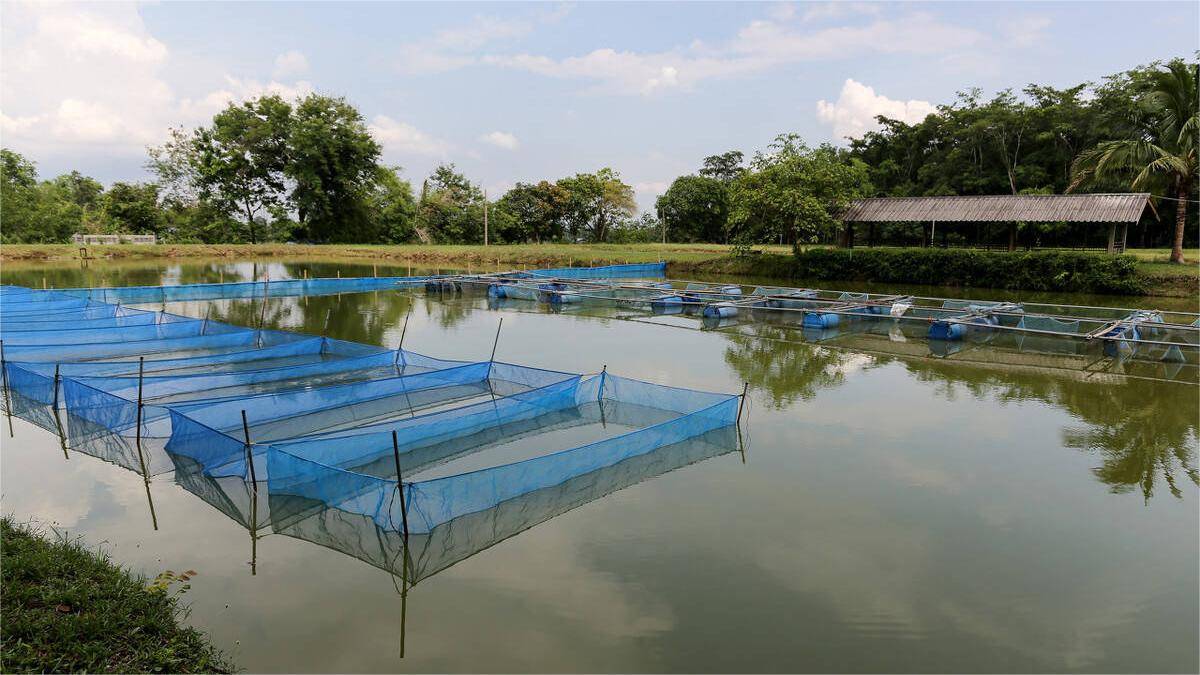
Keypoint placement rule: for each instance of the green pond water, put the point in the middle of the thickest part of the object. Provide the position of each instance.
(889, 508)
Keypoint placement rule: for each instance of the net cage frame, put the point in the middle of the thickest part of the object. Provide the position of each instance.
(1121, 333)
(80, 347)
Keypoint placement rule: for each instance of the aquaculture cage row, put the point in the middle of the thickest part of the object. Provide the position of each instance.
(406, 444)
(1118, 333)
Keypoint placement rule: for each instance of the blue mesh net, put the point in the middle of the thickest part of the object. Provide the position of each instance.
(631, 271)
(315, 418)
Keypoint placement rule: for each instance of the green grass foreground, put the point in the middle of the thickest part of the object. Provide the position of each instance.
(65, 608)
(1140, 272)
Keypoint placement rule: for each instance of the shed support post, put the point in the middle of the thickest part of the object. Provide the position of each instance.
(1112, 238)
(1012, 237)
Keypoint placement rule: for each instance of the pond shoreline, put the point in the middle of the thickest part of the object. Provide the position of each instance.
(68, 608)
(1152, 278)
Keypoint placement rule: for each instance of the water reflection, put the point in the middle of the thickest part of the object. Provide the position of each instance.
(1144, 429)
(771, 361)
(931, 483)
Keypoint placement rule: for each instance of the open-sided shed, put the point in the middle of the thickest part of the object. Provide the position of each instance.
(1117, 210)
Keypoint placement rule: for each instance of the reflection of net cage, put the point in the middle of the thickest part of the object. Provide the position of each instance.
(362, 537)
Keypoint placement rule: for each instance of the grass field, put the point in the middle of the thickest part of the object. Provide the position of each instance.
(66, 608)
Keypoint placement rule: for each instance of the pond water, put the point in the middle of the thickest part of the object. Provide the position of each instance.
(889, 511)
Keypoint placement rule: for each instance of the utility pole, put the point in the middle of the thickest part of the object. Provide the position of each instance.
(485, 229)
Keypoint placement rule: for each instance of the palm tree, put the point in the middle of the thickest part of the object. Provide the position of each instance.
(1163, 147)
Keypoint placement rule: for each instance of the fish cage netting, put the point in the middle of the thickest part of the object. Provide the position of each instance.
(240, 289)
(629, 271)
(113, 402)
(176, 328)
(232, 402)
(175, 346)
(35, 378)
(330, 409)
(127, 318)
(419, 556)
(439, 500)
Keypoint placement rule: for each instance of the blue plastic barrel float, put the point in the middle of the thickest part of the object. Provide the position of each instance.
(667, 304)
(1122, 346)
(546, 292)
(441, 286)
(821, 320)
(720, 310)
(562, 297)
(957, 330)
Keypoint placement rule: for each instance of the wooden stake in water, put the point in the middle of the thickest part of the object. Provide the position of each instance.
(138, 441)
(400, 486)
(742, 403)
(7, 399)
(374, 270)
(403, 331)
(62, 435)
(141, 376)
(496, 342)
(262, 315)
(249, 452)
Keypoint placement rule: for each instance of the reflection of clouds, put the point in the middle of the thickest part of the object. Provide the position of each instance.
(63, 492)
(870, 593)
(568, 586)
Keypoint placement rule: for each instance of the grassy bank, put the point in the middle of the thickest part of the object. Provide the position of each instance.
(1141, 272)
(66, 608)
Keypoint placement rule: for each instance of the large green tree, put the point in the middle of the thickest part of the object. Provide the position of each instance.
(1161, 153)
(332, 161)
(18, 197)
(133, 208)
(242, 157)
(596, 202)
(393, 208)
(724, 167)
(538, 211)
(794, 193)
(450, 209)
(695, 208)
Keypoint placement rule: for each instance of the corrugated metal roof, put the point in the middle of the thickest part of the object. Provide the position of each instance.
(1087, 208)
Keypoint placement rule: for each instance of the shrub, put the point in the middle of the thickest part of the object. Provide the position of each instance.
(1035, 270)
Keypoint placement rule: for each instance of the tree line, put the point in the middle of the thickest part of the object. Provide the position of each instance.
(309, 171)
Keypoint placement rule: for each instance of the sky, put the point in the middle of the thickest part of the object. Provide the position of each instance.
(514, 92)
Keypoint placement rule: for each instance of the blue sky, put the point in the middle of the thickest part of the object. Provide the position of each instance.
(524, 91)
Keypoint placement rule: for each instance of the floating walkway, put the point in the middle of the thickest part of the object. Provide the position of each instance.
(1172, 337)
(408, 442)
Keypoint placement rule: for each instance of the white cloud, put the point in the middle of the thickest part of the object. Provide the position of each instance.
(857, 106)
(758, 46)
(1025, 31)
(289, 63)
(18, 125)
(92, 76)
(651, 188)
(403, 138)
(500, 139)
(456, 47)
(825, 11)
